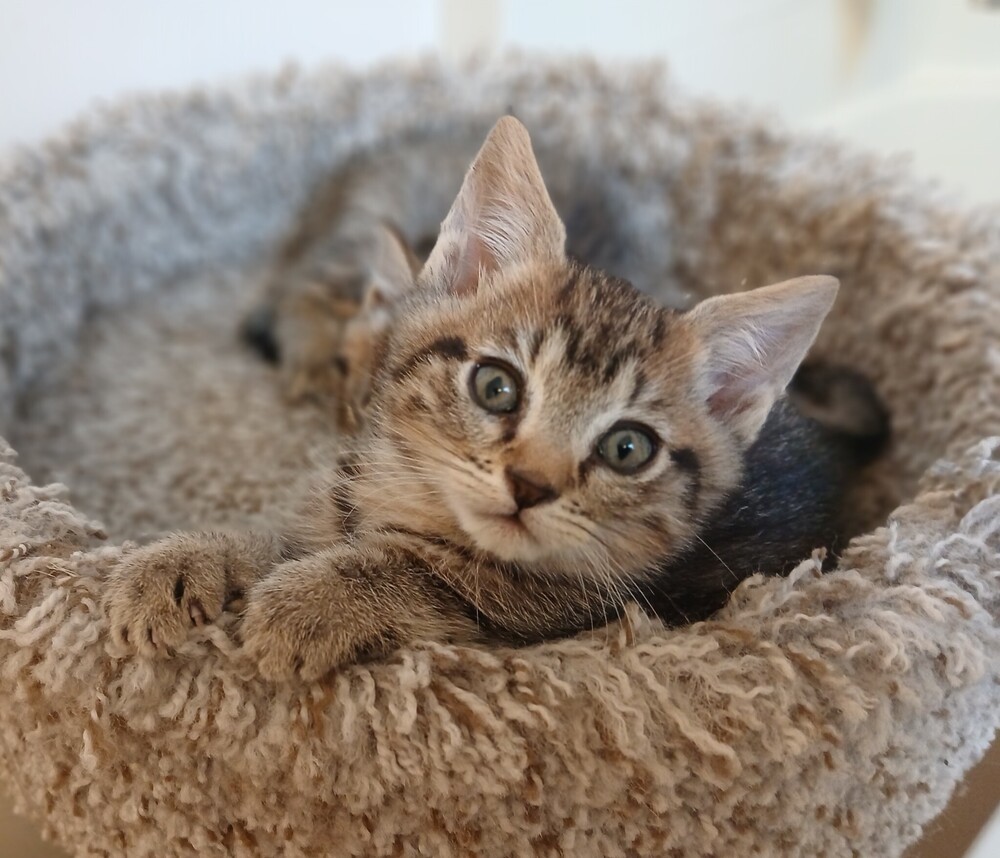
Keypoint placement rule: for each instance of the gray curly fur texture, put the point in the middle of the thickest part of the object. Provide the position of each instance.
(816, 715)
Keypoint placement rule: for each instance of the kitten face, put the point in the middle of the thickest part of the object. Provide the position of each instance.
(551, 416)
(591, 454)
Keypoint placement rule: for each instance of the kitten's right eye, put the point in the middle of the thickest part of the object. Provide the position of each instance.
(494, 387)
(627, 447)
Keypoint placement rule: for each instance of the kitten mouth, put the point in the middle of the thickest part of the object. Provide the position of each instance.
(510, 520)
(505, 534)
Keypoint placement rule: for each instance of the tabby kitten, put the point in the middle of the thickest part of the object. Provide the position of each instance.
(541, 443)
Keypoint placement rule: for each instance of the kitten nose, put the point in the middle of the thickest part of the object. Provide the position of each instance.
(529, 489)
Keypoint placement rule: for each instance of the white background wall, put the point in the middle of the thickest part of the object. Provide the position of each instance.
(914, 76)
(57, 56)
(920, 77)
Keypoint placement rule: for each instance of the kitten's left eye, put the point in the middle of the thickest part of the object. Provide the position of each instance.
(626, 448)
(494, 387)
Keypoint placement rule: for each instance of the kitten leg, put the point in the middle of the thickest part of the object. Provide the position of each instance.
(325, 313)
(363, 600)
(323, 337)
(343, 605)
(160, 591)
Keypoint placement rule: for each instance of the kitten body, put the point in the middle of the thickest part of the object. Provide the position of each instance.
(540, 443)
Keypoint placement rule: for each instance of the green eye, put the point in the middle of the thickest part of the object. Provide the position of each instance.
(626, 448)
(494, 387)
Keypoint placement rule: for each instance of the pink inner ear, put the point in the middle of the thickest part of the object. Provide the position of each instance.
(729, 398)
(472, 260)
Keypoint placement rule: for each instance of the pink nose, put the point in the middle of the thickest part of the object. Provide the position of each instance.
(529, 489)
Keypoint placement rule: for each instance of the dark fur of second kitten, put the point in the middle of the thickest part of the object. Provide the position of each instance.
(789, 500)
(537, 441)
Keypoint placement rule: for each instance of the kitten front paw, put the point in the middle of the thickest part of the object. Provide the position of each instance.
(288, 631)
(158, 593)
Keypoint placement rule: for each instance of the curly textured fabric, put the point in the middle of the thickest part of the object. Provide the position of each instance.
(816, 715)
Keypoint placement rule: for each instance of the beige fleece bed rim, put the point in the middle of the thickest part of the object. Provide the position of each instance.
(819, 714)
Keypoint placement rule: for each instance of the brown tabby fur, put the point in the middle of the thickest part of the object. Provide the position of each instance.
(420, 532)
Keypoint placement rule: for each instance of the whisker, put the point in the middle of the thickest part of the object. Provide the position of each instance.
(717, 557)
(623, 576)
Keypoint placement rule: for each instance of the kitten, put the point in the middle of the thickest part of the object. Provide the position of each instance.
(541, 443)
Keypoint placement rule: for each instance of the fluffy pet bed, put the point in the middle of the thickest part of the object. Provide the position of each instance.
(816, 715)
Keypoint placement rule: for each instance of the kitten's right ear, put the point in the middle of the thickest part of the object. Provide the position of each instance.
(502, 216)
(751, 343)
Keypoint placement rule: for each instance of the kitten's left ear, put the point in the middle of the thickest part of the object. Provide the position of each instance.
(751, 343)
(502, 216)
